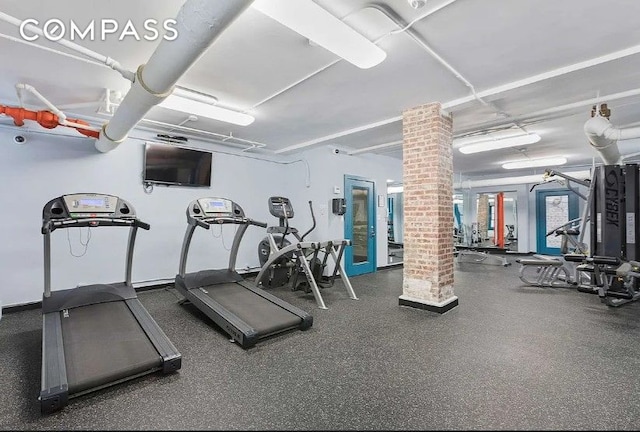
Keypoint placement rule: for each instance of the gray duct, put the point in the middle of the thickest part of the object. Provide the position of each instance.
(199, 23)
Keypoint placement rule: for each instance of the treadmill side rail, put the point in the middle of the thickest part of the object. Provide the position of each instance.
(54, 391)
(171, 358)
(307, 319)
(239, 330)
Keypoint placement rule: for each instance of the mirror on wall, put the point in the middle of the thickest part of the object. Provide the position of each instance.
(395, 223)
(459, 230)
(490, 216)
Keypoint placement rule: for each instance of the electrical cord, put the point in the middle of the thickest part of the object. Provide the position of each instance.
(221, 236)
(85, 244)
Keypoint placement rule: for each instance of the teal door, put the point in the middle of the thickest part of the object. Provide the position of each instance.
(553, 208)
(360, 225)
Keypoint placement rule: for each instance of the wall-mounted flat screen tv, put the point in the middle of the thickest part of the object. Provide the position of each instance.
(171, 165)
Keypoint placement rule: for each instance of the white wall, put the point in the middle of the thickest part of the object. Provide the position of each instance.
(48, 166)
(327, 171)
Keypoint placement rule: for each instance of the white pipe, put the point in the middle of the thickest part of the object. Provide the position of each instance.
(61, 116)
(552, 111)
(198, 24)
(113, 64)
(189, 131)
(547, 75)
(312, 74)
(375, 147)
(604, 137)
(525, 179)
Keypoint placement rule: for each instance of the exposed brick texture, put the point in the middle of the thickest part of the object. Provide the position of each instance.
(428, 204)
(483, 217)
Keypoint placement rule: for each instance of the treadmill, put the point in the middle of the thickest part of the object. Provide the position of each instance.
(245, 312)
(96, 335)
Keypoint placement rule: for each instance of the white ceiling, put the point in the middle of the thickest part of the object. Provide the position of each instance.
(255, 63)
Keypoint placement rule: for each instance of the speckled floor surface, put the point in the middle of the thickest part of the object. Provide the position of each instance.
(508, 357)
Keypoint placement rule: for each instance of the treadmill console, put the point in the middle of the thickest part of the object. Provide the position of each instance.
(280, 207)
(216, 206)
(87, 205)
(213, 207)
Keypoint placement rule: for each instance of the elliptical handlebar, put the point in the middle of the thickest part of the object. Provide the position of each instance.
(286, 226)
(313, 217)
(257, 223)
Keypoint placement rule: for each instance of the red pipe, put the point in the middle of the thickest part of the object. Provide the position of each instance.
(499, 228)
(46, 119)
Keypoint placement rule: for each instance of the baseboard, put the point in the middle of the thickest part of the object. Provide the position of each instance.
(391, 266)
(38, 304)
(432, 307)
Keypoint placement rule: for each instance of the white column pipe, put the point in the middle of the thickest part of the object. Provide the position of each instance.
(217, 138)
(113, 64)
(604, 137)
(199, 23)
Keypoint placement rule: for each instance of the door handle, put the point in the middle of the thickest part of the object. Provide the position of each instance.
(373, 231)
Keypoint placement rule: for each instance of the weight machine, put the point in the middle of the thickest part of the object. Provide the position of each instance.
(614, 229)
(562, 272)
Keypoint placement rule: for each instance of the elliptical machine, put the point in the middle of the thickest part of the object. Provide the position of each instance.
(283, 261)
(287, 268)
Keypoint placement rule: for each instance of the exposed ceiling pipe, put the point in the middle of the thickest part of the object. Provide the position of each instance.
(199, 23)
(212, 137)
(524, 179)
(46, 119)
(113, 64)
(603, 136)
(316, 72)
(550, 113)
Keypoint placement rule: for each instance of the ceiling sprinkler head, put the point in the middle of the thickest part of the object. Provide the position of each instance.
(417, 4)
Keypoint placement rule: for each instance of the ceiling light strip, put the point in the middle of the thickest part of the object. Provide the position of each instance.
(533, 163)
(315, 23)
(200, 109)
(495, 144)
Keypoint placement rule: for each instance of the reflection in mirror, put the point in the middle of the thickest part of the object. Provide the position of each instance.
(495, 226)
(395, 223)
(459, 231)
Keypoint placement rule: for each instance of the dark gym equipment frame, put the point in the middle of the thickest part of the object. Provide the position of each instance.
(223, 295)
(91, 303)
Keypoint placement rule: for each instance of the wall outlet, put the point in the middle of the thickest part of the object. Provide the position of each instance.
(336, 190)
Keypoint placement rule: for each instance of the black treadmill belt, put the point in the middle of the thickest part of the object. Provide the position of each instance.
(265, 317)
(104, 343)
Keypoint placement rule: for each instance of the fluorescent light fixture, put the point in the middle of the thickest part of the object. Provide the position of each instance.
(495, 144)
(201, 109)
(395, 189)
(389, 181)
(195, 95)
(533, 163)
(319, 26)
(509, 181)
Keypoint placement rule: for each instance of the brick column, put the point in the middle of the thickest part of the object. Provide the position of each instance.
(483, 217)
(428, 209)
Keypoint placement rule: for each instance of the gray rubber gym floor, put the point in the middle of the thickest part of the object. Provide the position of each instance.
(508, 357)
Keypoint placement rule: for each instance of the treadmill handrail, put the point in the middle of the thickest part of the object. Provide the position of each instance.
(53, 224)
(208, 221)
